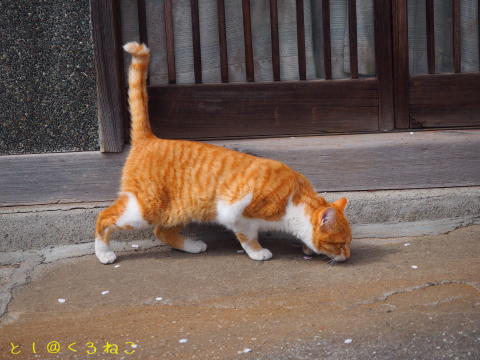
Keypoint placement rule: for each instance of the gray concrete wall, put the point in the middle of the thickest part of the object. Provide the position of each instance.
(47, 82)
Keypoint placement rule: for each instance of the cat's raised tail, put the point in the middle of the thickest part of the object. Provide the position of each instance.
(137, 91)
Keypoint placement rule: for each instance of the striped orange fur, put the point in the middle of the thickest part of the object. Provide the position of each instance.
(170, 183)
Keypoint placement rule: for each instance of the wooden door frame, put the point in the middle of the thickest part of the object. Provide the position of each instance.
(108, 57)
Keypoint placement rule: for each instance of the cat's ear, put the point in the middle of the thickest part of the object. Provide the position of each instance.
(328, 217)
(341, 203)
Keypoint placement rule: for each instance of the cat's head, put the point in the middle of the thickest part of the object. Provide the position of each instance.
(332, 234)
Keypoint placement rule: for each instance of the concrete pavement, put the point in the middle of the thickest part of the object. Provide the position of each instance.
(400, 298)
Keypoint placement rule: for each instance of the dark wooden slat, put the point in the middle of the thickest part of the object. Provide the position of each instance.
(142, 26)
(264, 109)
(446, 116)
(275, 40)
(430, 36)
(384, 69)
(247, 32)
(445, 100)
(197, 55)
(400, 62)
(172, 76)
(109, 75)
(302, 65)
(478, 21)
(440, 88)
(352, 38)
(142, 21)
(457, 60)
(327, 44)
(222, 35)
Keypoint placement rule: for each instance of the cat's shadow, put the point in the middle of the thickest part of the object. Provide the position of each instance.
(288, 248)
(223, 243)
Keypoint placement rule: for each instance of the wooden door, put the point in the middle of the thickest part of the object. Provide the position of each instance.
(276, 108)
(435, 99)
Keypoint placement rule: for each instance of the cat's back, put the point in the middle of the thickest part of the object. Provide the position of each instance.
(184, 163)
(202, 162)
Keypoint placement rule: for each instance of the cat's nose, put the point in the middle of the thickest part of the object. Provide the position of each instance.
(344, 255)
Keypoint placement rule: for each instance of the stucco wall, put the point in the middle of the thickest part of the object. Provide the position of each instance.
(47, 82)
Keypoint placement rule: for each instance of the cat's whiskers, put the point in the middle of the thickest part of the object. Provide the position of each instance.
(332, 262)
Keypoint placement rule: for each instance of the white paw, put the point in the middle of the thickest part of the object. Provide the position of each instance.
(263, 254)
(106, 257)
(194, 247)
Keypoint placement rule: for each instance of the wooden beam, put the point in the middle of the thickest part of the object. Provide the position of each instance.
(428, 159)
(168, 13)
(456, 36)
(247, 35)
(142, 21)
(142, 26)
(264, 109)
(60, 178)
(327, 44)
(275, 40)
(332, 163)
(222, 38)
(302, 63)
(400, 60)
(352, 38)
(430, 13)
(384, 64)
(109, 75)
(123, 87)
(432, 106)
(197, 53)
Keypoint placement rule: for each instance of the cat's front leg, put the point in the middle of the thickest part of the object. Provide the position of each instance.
(252, 247)
(103, 252)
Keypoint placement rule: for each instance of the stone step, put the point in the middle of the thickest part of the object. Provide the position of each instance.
(373, 214)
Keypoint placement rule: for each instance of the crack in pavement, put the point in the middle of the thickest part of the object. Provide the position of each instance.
(428, 284)
(53, 210)
(20, 276)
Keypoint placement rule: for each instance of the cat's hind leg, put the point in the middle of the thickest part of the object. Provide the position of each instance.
(124, 214)
(252, 247)
(172, 237)
(106, 221)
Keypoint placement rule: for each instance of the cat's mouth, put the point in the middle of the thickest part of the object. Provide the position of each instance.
(334, 258)
(337, 258)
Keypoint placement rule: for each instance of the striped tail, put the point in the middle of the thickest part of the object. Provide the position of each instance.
(137, 91)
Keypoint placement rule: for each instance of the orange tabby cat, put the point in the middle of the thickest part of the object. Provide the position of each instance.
(169, 183)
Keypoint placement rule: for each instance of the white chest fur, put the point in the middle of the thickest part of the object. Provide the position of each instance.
(295, 220)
